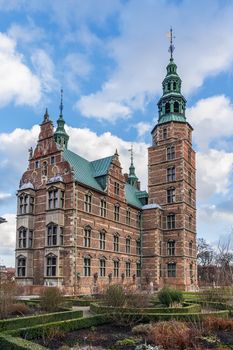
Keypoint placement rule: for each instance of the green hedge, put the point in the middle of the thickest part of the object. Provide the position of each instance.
(181, 317)
(8, 342)
(21, 322)
(66, 326)
(80, 302)
(214, 304)
(187, 308)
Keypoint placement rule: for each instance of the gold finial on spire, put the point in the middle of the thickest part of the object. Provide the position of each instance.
(171, 47)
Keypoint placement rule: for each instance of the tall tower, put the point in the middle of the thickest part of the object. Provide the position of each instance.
(172, 184)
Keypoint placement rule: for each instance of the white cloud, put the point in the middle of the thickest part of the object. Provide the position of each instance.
(4, 195)
(7, 237)
(45, 70)
(211, 119)
(214, 169)
(140, 52)
(26, 34)
(142, 128)
(18, 84)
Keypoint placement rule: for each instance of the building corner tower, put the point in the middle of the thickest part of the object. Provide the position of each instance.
(172, 184)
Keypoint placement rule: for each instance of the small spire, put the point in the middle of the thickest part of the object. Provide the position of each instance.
(171, 47)
(46, 116)
(116, 153)
(61, 104)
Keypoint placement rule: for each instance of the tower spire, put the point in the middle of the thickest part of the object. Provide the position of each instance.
(60, 135)
(132, 178)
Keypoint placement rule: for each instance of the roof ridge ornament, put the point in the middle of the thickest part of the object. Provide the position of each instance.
(61, 104)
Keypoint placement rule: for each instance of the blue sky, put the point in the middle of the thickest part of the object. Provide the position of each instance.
(110, 58)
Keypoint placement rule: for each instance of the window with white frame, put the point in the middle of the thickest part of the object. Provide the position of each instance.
(128, 216)
(87, 266)
(116, 266)
(171, 269)
(103, 207)
(127, 269)
(171, 245)
(102, 267)
(25, 204)
(22, 237)
(116, 212)
(171, 221)
(170, 152)
(53, 198)
(21, 266)
(171, 174)
(138, 247)
(116, 242)
(51, 265)
(102, 238)
(171, 195)
(127, 244)
(87, 237)
(116, 188)
(87, 202)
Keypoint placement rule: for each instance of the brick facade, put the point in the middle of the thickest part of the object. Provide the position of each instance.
(84, 233)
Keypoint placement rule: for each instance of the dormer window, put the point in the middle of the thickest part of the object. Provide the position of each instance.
(116, 188)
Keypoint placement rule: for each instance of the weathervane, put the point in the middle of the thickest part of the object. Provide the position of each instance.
(131, 153)
(61, 104)
(171, 47)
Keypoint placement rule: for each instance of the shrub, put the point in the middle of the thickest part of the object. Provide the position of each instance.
(51, 299)
(114, 296)
(19, 309)
(172, 332)
(8, 292)
(142, 329)
(125, 342)
(168, 296)
(212, 324)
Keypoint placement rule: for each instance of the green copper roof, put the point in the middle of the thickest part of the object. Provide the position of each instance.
(87, 173)
(83, 170)
(101, 166)
(172, 118)
(131, 194)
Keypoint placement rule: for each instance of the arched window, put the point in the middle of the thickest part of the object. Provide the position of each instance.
(167, 107)
(190, 221)
(174, 86)
(176, 107)
(21, 266)
(169, 86)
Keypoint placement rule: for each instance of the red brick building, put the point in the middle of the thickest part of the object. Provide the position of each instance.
(82, 225)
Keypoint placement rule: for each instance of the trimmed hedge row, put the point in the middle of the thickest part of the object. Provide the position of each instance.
(80, 302)
(8, 342)
(188, 308)
(214, 304)
(21, 322)
(65, 326)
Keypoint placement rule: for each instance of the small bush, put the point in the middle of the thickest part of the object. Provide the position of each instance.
(19, 309)
(169, 296)
(172, 332)
(142, 329)
(51, 299)
(114, 296)
(212, 324)
(125, 342)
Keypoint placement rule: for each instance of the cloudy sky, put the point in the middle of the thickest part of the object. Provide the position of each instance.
(110, 57)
